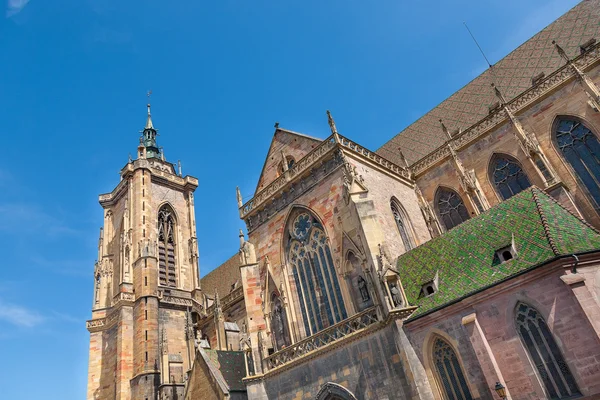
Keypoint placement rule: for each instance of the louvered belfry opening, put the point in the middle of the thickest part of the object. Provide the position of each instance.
(166, 247)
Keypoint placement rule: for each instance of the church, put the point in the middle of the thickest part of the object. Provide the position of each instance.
(459, 261)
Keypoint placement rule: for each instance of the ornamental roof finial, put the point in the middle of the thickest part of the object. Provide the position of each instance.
(561, 52)
(445, 129)
(331, 123)
(499, 94)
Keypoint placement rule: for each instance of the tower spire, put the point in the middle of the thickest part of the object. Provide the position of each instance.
(149, 120)
(149, 134)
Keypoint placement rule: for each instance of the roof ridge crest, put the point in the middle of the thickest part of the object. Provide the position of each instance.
(544, 219)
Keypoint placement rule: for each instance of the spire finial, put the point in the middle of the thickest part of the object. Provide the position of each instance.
(238, 194)
(149, 120)
(499, 94)
(331, 123)
(445, 129)
(402, 158)
(561, 52)
(242, 239)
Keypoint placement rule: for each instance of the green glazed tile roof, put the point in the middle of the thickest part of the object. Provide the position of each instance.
(464, 258)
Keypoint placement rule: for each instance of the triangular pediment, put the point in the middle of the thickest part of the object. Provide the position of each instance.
(288, 144)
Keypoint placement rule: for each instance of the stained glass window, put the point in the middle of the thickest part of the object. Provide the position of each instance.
(319, 292)
(402, 225)
(451, 208)
(581, 149)
(449, 372)
(508, 176)
(545, 354)
(166, 247)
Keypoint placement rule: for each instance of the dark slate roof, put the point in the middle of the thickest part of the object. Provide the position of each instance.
(464, 257)
(513, 76)
(223, 277)
(231, 365)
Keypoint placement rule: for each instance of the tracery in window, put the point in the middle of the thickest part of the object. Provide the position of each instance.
(545, 354)
(166, 247)
(317, 284)
(450, 207)
(508, 176)
(403, 225)
(581, 149)
(449, 373)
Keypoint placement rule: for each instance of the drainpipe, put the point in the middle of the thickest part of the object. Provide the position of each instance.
(574, 268)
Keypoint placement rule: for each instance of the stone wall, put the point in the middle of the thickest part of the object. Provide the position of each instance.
(493, 310)
(369, 367)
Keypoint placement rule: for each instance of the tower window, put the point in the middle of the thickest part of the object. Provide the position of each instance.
(166, 247)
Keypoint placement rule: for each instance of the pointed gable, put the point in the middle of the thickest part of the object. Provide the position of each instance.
(294, 145)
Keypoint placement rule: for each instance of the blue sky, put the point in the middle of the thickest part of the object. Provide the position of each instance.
(73, 78)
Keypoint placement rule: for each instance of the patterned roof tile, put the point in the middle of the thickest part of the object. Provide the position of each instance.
(512, 75)
(464, 258)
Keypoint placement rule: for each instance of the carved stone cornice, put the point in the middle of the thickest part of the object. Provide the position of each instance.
(553, 81)
(123, 298)
(108, 199)
(107, 322)
(161, 172)
(307, 172)
(177, 301)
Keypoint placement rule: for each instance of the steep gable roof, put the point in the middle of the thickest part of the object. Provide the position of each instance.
(292, 144)
(223, 277)
(464, 259)
(513, 75)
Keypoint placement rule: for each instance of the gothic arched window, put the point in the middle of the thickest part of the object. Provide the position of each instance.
(333, 391)
(581, 149)
(167, 275)
(508, 176)
(451, 208)
(544, 353)
(451, 379)
(316, 279)
(403, 225)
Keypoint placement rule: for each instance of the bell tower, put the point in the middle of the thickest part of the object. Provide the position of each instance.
(146, 280)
